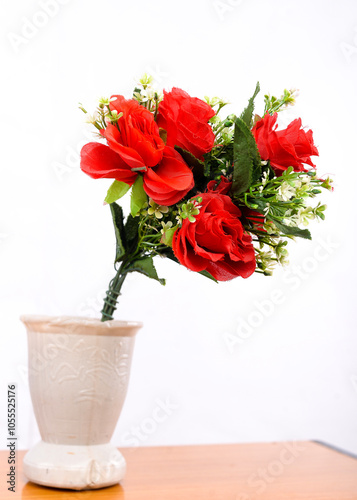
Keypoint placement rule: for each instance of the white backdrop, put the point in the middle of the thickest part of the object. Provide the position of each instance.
(258, 360)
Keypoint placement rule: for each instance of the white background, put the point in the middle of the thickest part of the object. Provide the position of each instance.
(294, 374)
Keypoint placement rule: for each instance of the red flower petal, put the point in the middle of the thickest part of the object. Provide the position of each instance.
(137, 137)
(98, 161)
(219, 187)
(168, 183)
(127, 154)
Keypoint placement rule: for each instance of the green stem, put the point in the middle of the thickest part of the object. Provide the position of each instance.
(156, 106)
(112, 295)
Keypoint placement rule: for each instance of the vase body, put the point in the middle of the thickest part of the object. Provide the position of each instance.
(78, 376)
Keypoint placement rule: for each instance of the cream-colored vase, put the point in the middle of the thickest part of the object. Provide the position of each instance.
(78, 374)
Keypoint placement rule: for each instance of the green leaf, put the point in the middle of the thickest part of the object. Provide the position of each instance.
(117, 215)
(247, 115)
(247, 163)
(131, 232)
(168, 235)
(138, 196)
(190, 159)
(292, 230)
(146, 266)
(116, 191)
(208, 275)
(163, 134)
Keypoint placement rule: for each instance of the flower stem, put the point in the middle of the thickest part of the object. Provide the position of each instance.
(112, 294)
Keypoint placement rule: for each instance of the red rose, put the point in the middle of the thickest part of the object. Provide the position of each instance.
(170, 181)
(291, 147)
(185, 120)
(216, 241)
(136, 146)
(136, 142)
(219, 187)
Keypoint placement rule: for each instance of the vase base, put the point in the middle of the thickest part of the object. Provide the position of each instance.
(74, 467)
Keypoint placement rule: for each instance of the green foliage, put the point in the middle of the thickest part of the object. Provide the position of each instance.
(146, 266)
(196, 165)
(163, 134)
(246, 158)
(116, 191)
(247, 115)
(275, 104)
(219, 161)
(292, 230)
(168, 236)
(131, 232)
(138, 196)
(118, 221)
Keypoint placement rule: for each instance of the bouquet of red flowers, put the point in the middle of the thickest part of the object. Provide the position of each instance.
(221, 196)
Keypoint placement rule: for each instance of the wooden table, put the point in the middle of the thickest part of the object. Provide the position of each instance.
(270, 471)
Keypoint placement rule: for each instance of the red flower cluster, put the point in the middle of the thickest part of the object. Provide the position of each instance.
(216, 242)
(291, 147)
(136, 148)
(141, 143)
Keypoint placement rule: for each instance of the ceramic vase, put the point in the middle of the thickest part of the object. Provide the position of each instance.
(78, 376)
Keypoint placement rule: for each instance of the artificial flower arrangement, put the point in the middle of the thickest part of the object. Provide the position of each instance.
(221, 196)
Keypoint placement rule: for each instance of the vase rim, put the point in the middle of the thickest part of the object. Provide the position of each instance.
(79, 325)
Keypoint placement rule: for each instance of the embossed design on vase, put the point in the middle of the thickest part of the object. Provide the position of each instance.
(78, 374)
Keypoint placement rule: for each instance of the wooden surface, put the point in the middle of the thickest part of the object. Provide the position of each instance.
(270, 471)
